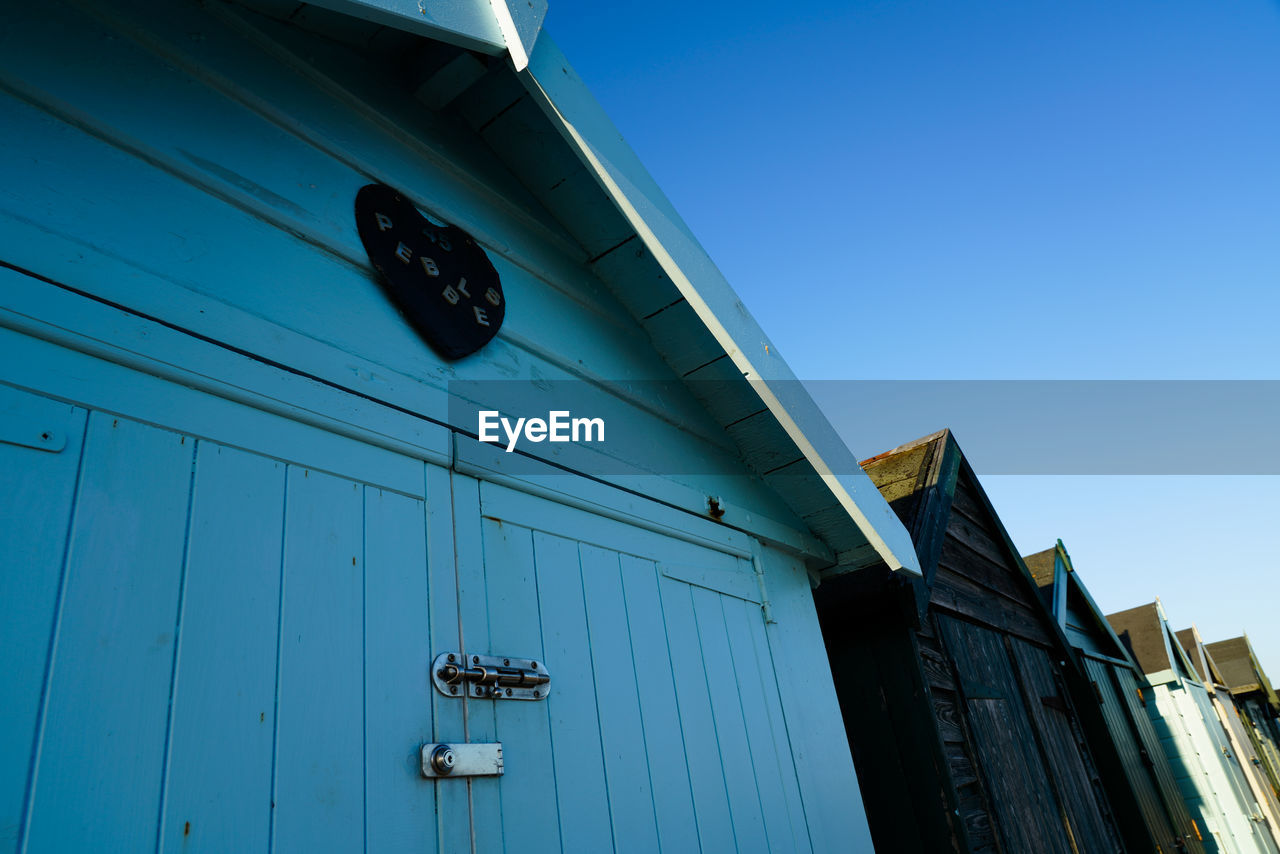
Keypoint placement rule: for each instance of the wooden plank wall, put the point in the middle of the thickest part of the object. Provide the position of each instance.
(163, 726)
(1137, 758)
(230, 214)
(1028, 747)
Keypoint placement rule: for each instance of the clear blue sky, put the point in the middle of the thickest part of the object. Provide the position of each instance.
(998, 190)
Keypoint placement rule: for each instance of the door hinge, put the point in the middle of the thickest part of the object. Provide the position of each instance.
(492, 677)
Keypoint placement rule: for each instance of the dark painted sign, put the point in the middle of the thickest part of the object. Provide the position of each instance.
(437, 275)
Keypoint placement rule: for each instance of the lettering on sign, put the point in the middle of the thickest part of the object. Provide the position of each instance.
(435, 274)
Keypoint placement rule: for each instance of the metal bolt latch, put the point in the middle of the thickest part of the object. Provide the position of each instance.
(443, 760)
(490, 676)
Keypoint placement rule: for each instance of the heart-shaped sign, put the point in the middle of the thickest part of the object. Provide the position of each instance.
(439, 278)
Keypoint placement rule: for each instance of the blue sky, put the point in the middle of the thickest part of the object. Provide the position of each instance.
(997, 190)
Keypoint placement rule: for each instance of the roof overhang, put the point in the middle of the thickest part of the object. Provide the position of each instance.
(702, 330)
(485, 26)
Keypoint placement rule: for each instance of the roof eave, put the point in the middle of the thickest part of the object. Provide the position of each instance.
(620, 175)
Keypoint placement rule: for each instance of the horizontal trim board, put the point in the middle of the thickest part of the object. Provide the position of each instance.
(47, 369)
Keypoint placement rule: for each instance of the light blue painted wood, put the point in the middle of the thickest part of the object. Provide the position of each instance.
(664, 739)
(276, 188)
(218, 772)
(104, 733)
(319, 789)
(770, 748)
(453, 802)
(400, 806)
(36, 493)
(581, 787)
(523, 727)
(706, 775)
(533, 511)
(732, 578)
(103, 385)
(622, 734)
(482, 726)
(819, 746)
(731, 732)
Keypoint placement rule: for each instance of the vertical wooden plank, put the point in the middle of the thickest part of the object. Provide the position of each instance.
(833, 805)
(484, 793)
(98, 777)
(453, 803)
(1067, 758)
(581, 788)
(1024, 804)
(1126, 683)
(706, 775)
(664, 738)
(770, 750)
(319, 791)
(523, 727)
(400, 809)
(731, 731)
(218, 794)
(36, 493)
(622, 734)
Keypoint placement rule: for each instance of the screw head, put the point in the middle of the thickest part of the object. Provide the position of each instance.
(506, 662)
(453, 689)
(451, 656)
(475, 659)
(479, 690)
(533, 664)
(508, 692)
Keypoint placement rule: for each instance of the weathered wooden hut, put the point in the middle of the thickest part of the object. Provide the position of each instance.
(266, 588)
(1212, 781)
(1244, 740)
(1122, 693)
(954, 688)
(1251, 690)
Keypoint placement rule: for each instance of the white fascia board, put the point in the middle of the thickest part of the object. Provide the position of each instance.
(567, 101)
(520, 22)
(472, 24)
(486, 26)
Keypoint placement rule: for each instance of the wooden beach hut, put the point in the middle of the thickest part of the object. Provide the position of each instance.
(1213, 783)
(954, 689)
(1243, 676)
(1243, 738)
(1122, 693)
(264, 266)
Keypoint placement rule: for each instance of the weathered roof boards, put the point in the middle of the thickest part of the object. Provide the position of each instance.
(269, 587)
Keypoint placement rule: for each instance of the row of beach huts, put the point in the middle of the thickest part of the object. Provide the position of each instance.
(265, 265)
(992, 706)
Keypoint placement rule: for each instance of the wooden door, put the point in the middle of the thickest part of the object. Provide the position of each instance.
(213, 649)
(664, 726)
(1026, 744)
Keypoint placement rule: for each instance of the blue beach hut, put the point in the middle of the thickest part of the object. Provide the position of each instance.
(264, 269)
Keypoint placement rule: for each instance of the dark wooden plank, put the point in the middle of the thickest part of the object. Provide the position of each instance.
(959, 594)
(1025, 809)
(947, 716)
(998, 579)
(1073, 771)
(937, 670)
(981, 539)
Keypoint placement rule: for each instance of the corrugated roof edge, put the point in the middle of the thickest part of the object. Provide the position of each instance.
(568, 102)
